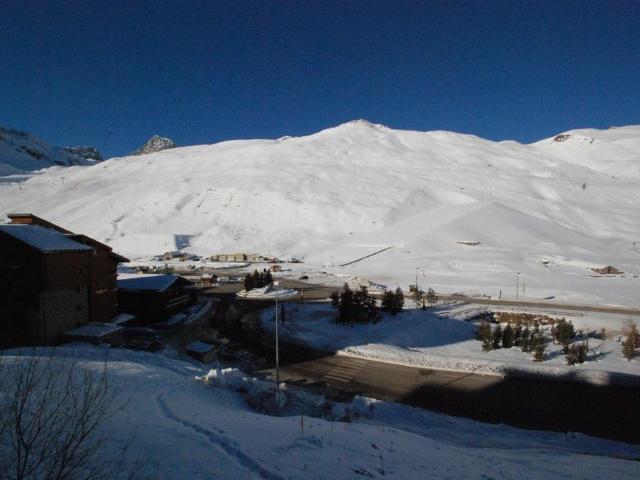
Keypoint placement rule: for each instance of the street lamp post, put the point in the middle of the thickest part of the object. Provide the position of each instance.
(277, 358)
(517, 283)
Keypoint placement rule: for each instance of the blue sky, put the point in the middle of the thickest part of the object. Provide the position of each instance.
(111, 74)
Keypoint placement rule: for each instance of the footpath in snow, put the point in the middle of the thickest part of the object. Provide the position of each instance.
(190, 422)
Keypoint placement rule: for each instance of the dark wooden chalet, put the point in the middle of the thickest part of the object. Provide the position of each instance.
(154, 298)
(51, 281)
(103, 304)
(44, 285)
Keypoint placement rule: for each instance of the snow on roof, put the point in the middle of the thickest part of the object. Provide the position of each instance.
(44, 239)
(200, 347)
(121, 318)
(146, 282)
(96, 329)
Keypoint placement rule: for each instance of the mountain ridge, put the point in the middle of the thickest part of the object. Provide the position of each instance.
(339, 190)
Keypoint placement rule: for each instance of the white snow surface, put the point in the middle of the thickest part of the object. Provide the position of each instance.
(549, 210)
(441, 338)
(189, 422)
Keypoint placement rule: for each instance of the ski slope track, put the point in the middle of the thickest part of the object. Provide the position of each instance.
(550, 210)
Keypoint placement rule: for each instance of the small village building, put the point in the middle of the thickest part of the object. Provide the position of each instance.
(202, 351)
(166, 256)
(96, 333)
(276, 268)
(154, 298)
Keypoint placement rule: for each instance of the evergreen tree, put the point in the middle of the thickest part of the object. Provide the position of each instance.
(431, 296)
(563, 333)
(398, 301)
(484, 335)
(496, 337)
(257, 281)
(248, 282)
(630, 341)
(507, 336)
(526, 340)
(387, 301)
(345, 310)
(517, 336)
(538, 344)
(268, 278)
(576, 353)
(335, 299)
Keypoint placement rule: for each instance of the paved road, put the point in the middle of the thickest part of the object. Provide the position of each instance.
(543, 304)
(321, 292)
(611, 412)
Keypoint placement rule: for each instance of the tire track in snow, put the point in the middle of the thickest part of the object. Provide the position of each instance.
(217, 438)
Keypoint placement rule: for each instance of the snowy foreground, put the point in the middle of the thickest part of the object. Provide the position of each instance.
(464, 213)
(442, 339)
(189, 422)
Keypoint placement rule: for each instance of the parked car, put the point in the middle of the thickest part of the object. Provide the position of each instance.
(304, 277)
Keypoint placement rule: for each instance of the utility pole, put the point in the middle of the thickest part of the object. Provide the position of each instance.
(517, 283)
(277, 358)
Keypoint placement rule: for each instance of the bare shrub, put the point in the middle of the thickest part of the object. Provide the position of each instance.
(51, 413)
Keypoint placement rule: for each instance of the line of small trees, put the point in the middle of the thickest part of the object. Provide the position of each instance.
(257, 279)
(528, 340)
(392, 301)
(360, 307)
(536, 340)
(355, 307)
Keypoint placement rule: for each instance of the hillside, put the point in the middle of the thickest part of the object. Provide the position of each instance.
(22, 152)
(550, 210)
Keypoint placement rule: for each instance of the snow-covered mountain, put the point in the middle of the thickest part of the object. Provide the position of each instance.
(22, 152)
(155, 144)
(549, 210)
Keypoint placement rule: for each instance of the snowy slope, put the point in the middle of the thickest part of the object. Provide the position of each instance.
(22, 152)
(183, 428)
(348, 191)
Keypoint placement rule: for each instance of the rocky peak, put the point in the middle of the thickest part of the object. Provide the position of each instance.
(86, 152)
(155, 144)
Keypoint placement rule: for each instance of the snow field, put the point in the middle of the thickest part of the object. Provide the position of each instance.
(349, 191)
(188, 429)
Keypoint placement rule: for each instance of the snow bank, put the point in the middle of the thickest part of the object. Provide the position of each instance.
(441, 339)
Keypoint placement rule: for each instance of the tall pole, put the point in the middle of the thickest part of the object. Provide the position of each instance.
(517, 283)
(277, 363)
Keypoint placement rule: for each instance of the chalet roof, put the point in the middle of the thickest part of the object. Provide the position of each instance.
(200, 347)
(31, 219)
(149, 282)
(46, 240)
(95, 329)
(95, 243)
